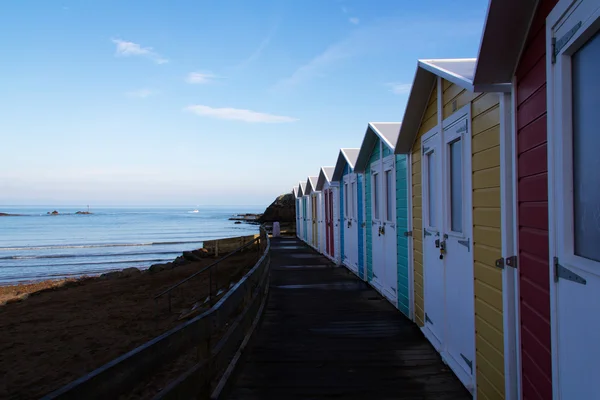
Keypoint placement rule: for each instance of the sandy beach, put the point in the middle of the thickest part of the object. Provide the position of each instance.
(53, 332)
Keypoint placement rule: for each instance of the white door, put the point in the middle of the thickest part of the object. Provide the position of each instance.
(457, 241)
(377, 251)
(433, 266)
(350, 239)
(574, 87)
(354, 218)
(388, 201)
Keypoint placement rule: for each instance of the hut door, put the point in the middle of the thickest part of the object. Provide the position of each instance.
(329, 206)
(315, 232)
(377, 251)
(433, 266)
(388, 209)
(575, 198)
(457, 239)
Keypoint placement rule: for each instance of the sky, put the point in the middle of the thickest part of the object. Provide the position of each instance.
(189, 102)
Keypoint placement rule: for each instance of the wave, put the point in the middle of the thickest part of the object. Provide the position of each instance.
(145, 261)
(55, 256)
(91, 246)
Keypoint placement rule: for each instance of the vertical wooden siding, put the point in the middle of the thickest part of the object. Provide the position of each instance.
(428, 122)
(375, 155)
(401, 227)
(532, 194)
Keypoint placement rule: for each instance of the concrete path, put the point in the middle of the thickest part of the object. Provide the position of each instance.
(326, 334)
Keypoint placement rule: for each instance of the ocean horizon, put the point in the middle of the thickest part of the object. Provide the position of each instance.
(37, 246)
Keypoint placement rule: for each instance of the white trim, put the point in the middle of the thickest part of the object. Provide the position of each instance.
(410, 241)
(457, 116)
(507, 211)
(515, 224)
(448, 75)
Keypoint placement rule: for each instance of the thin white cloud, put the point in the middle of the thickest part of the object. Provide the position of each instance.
(261, 47)
(354, 20)
(128, 49)
(399, 88)
(141, 93)
(238, 114)
(200, 78)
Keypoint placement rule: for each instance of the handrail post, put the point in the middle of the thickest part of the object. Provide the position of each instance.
(210, 286)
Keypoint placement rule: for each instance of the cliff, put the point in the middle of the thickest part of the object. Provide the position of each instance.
(283, 210)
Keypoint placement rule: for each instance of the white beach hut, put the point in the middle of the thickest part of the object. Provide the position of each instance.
(330, 233)
(351, 199)
(313, 213)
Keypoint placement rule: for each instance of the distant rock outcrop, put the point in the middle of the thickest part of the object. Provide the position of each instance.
(83, 213)
(53, 212)
(282, 210)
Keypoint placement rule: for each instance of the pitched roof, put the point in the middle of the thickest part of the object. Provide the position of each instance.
(295, 191)
(311, 184)
(386, 131)
(506, 28)
(458, 71)
(346, 156)
(301, 189)
(324, 177)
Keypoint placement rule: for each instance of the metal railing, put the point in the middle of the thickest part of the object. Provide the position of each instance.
(215, 265)
(231, 321)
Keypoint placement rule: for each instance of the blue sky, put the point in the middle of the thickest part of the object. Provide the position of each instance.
(203, 102)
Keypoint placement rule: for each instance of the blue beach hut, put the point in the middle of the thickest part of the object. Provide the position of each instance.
(386, 213)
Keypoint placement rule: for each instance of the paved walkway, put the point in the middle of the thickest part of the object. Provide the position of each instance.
(326, 334)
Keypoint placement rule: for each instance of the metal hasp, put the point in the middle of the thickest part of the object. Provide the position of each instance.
(425, 149)
(426, 232)
(469, 362)
(512, 261)
(557, 45)
(500, 263)
(427, 319)
(466, 243)
(564, 273)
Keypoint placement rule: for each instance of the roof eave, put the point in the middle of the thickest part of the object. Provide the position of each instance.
(418, 99)
(366, 148)
(500, 48)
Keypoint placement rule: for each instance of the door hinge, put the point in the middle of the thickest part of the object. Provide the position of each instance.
(468, 362)
(426, 232)
(466, 243)
(425, 149)
(564, 273)
(557, 45)
(409, 233)
(427, 319)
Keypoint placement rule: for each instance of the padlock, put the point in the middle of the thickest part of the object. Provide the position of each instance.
(442, 249)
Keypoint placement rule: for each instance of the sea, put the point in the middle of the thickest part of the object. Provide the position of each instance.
(36, 246)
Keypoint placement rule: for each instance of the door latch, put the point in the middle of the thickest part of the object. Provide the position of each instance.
(442, 249)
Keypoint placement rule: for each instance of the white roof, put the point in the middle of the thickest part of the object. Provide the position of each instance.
(324, 177)
(458, 71)
(311, 184)
(301, 189)
(388, 132)
(346, 156)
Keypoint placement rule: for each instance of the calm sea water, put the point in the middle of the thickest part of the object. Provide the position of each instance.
(38, 246)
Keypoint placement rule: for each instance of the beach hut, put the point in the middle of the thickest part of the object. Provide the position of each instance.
(386, 212)
(307, 215)
(452, 137)
(546, 54)
(302, 204)
(313, 211)
(351, 208)
(330, 239)
(296, 208)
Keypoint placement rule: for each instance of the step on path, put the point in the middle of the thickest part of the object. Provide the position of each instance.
(325, 334)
